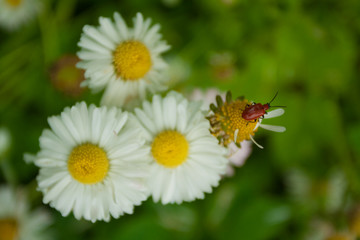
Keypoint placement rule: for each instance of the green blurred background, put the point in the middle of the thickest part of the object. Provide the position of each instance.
(305, 179)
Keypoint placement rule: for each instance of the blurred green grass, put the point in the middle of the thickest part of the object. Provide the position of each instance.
(306, 50)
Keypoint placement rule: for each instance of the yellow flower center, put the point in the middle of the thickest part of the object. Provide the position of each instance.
(170, 148)
(14, 3)
(8, 229)
(132, 60)
(228, 119)
(88, 164)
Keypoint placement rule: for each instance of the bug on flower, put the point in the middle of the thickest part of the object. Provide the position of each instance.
(257, 110)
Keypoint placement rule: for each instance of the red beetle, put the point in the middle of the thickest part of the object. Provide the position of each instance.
(257, 110)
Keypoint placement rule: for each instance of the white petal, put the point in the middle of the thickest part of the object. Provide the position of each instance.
(108, 28)
(157, 109)
(95, 34)
(253, 140)
(90, 44)
(121, 26)
(138, 24)
(169, 112)
(273, 128)
(275, 113)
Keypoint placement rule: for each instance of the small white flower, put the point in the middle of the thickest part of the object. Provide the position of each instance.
(92, 162)
(186, 160)
(14, 13)
(16, 221)
(125, 61)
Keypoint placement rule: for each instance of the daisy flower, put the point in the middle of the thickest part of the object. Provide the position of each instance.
(14, 13)
(186, 160)
(126, 61)
(228, 125)
(237, 154)
(17, 221)
(92, 163)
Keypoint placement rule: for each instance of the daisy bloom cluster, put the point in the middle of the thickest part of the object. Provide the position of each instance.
(100, 162)
(14, 13)
(16, 219)
(228, 124)
(124, 61)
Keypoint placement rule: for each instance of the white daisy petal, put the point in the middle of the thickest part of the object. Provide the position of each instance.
(275, 113)
(182, 117)
(60, 130)
(138, 24)
(121, 26)
(105, 141)
(169, 115)
(145, 28)
(92, 46)
(108, 28)
(95, 34)
(151, 33)
(273, 128)
(145, 120)
(253, 140)
(158, 112)
(88, 55)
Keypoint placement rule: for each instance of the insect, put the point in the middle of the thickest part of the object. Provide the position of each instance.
(257, 110)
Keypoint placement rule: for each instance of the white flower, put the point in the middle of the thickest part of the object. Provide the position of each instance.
(92, 163)
(14, 13)
(16, 221)
(125, 61)
(186, 160)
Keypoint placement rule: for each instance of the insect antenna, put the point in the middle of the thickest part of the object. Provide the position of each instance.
(273, 97)
(279, 106)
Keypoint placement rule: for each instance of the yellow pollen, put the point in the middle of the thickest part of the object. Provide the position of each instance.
(8, 229)
(132, 60)
(230, 118)
(88, 164)
(170, 148)
(14, 3)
